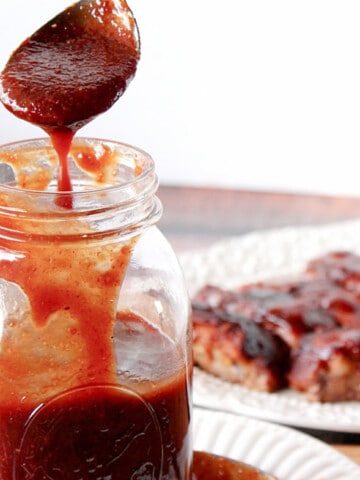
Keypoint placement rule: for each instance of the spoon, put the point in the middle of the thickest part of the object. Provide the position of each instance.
(74, 67)
(70, 70)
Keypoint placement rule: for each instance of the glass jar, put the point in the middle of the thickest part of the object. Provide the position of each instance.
(95, 341)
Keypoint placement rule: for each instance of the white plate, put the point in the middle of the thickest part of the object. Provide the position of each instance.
(285, 453)
(280, 253)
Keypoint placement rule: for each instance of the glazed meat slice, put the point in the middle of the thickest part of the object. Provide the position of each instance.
(342, 305)
(237, 349)
(292, 322)
(254, 299)
(341, 267)
(248, 300)
(288, 310)
(213, 467)
(317, 306)
(294, 309)
(326, 366)
(212, 297)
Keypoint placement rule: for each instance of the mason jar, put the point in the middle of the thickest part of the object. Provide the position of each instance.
(95, 340)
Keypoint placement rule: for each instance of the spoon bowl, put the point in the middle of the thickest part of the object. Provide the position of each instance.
(74, 67)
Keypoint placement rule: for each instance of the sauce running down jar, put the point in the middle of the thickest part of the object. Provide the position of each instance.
(95, 357)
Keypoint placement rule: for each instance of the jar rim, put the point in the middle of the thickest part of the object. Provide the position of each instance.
(147, 170)
(125, 200)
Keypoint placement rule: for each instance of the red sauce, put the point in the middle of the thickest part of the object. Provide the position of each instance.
(139, 430)
(213, 467)
(62, 143)
(102, 432)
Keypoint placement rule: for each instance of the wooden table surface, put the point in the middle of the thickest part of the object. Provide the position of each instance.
(195, 218)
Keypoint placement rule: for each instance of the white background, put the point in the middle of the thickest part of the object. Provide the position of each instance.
(258, 94)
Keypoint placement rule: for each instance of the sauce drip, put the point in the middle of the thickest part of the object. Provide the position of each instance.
(62, 141)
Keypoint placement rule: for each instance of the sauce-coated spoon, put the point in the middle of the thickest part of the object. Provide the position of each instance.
(74, 67)
(71, 70)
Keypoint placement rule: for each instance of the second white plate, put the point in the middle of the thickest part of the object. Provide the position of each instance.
(285, 453)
